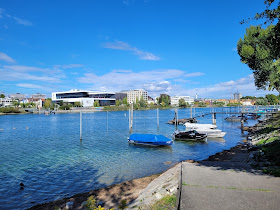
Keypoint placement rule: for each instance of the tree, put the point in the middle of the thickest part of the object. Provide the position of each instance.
(272, 99)
(47, 103)
(77, 104)
(182, 103)
(260, 49)
(15, 103)
(96, 104)
(117, 102)
(142, 102)
(164, 98)
(125, 101)
(60, 103)
(2, 96)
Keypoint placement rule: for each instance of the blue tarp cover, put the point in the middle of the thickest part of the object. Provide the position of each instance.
(148, 138)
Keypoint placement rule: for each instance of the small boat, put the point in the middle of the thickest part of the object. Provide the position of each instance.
(150, 139)
(189, 135)
(209, 129)
(234, 118)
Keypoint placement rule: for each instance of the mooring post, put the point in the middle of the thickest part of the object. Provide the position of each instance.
(157, 118)
(81, 125)
(191, 112)
(107, 122)
(242, 123)
(214, 118)
(131, 118)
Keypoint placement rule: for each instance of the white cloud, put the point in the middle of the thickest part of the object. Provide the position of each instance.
(6, 58)
(69, 66)
(154, 81)
(195, 74)
(22, 21)
(119, 45)
(16, 19)
(26, 85)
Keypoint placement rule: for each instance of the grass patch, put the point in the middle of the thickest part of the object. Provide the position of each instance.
(167, 202)
(272, 171)
(272, 152)
(263, 141)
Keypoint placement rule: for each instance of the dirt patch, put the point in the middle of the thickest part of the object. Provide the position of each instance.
(109, 197)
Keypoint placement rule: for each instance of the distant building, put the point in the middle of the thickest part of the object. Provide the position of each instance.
(175, 100)
(5, 102)
(120, 96)
(39, 96)
(133, 95)
(237, 96)
(150, 100)
(86, 98)
(17, 96)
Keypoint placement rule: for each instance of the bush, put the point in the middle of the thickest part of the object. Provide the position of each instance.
(9, 110)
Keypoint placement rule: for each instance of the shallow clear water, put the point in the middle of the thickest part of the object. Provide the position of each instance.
(45, 153)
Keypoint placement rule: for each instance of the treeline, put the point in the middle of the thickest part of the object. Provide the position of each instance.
(269, 99)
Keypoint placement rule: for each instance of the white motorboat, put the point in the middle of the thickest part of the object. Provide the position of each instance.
(209, 129)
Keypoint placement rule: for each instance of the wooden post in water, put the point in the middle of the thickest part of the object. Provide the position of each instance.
(81, 125)
(176, 119)
(131, 118)
(214, 118)
(157, 118)
(242, 123)
(191, 112)
(107, 122)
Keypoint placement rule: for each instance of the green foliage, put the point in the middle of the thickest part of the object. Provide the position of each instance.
(123, 205)
(182, 103)
(60, 103)
(2, 96)
(249, 97)
(9, 110)
(201, 104)
(263, 141)
(15, 103)
(219, 104)
(142, 102)
(167, 202)
(234, 104)
(164, 98)
(65, 107)
(117, 102)
(91, 204)
(272, 99)
(96, 104)
(77, 104)
(261, 101)
(48, 103)
(125, 101)
(260, 50)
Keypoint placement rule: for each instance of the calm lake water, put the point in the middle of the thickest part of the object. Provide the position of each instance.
(45, 153)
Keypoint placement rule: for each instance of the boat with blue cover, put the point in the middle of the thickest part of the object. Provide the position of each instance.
(150, 139)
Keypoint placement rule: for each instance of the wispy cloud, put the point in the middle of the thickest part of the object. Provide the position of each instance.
(18, 20)
(154, 81)
(6, 58)
(195, 74)
(69, 66)
(119, 45)
(27, 85)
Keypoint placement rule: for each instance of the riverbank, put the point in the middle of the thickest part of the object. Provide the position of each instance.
(149, 189)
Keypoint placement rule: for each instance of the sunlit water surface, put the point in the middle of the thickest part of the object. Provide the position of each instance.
(45, 153)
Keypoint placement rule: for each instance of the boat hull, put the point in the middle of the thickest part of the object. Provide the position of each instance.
(150, 139)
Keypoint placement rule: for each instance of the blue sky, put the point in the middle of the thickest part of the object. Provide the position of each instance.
(178, 47)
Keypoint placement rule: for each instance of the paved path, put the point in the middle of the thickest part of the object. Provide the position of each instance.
(227, 185)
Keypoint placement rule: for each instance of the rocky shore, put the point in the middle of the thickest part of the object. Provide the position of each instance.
(260, 151)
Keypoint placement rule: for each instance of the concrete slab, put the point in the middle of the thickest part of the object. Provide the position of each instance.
(227, 186)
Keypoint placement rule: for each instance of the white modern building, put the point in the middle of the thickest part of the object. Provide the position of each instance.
(4, 102)
(133, 95)
(86, 98)
(175, 100)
